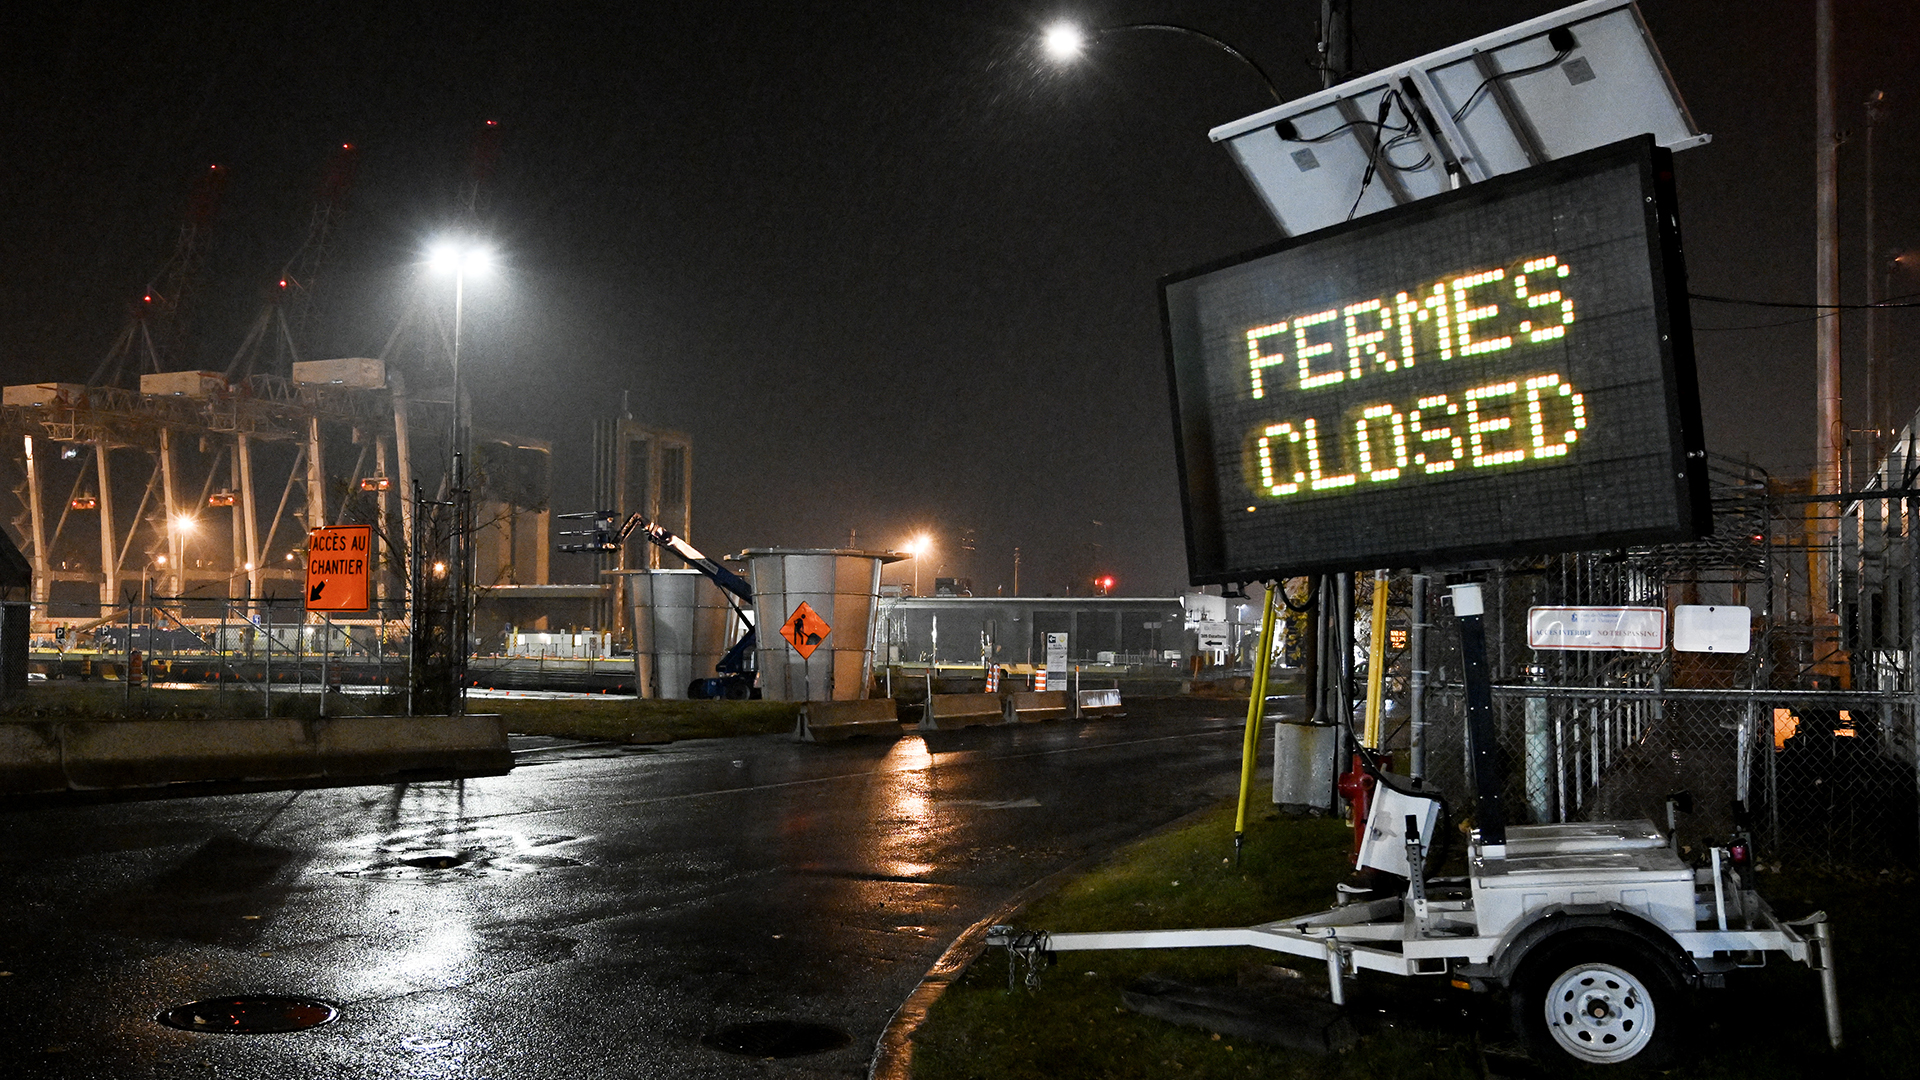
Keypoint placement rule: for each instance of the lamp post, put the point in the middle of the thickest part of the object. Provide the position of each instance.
(459, 257)
(917, 547)
(1065, 41)
(181, 529)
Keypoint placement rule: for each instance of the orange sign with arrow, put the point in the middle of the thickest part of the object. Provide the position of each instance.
(339, 567)
(805, 630)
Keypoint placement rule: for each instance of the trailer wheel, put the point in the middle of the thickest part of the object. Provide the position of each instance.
(1596, 997)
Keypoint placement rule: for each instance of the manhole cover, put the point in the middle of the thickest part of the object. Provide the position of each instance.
(777, 1039)
(249, 1015)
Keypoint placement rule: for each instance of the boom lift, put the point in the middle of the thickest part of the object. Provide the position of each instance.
(736, 672)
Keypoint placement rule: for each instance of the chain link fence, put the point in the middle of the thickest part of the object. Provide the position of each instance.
(1807, 739)
(264, 656)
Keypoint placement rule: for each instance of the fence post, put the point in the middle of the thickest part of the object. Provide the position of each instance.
(126, 672)
(326, 651)
(1417, 687)
(1912, 532)
(1539, 748)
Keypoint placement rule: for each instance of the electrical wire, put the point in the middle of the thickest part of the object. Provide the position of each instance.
(1348, 126)
(1386, 155)
(1387, 101)
(1904, 301)
(1765, 325)
(1514, 74)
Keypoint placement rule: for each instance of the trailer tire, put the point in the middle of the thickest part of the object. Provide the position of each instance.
(1599, 997)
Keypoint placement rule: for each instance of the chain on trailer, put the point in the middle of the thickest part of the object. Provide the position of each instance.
(1027, 950)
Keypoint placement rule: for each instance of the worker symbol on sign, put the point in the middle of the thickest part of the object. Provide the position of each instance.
(805, 630)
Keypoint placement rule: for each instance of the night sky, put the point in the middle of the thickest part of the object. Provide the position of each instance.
(888, 266)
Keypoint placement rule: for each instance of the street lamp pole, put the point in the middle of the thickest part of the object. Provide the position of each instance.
(462, 505)
(1066, 41)
(459, 258)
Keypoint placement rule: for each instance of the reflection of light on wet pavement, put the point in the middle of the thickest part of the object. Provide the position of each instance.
(437, 852)
(904, 788)
(437, 952)
(908, 754)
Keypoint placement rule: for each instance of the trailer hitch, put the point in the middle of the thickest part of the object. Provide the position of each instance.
(1026, 949)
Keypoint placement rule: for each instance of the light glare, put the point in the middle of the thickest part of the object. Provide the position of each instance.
(447, 257)
(1064, 41)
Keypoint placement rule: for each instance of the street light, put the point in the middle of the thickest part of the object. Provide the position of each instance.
(1066, 41)
(917, 547)
(459, 257)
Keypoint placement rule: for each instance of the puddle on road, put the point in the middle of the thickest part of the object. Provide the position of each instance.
(433, 853)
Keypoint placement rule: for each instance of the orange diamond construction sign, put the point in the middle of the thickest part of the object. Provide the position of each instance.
(339, 567)
(805, 630)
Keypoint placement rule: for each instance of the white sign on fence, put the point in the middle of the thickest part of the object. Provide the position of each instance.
(1056, 653)
(1640, 629)
(1718, 628)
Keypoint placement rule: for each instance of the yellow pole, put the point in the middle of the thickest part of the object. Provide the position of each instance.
(1376, 655)
(1256, 710)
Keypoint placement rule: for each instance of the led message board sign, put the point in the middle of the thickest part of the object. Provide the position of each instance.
(1504, 369)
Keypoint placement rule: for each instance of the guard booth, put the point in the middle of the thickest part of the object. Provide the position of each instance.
(16, 588)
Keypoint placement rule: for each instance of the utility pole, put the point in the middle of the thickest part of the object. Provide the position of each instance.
(1336, 41)
(1877, 431)
(1830, 421)
(1830, 436)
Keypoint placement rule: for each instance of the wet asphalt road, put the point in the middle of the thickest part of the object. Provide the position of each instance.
(593, 914)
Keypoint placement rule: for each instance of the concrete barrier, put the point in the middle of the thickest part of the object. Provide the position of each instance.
(826, 721)
(1033, 706)
(140, 753)
(947, 711)
(1095, 704)
(382, 745)
(78, 755)
(30, 757)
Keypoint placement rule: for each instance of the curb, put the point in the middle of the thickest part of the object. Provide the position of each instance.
(893, 1052)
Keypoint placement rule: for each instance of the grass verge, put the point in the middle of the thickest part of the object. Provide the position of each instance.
(1766, 1026)
(639, 720)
